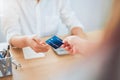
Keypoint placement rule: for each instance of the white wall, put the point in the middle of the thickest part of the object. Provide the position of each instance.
(92, 13)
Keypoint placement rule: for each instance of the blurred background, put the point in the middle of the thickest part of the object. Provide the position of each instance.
(92, 13)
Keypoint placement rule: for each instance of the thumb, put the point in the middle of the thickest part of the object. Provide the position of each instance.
(67, 40)
(36, 39)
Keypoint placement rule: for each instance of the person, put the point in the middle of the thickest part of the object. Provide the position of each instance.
(23, 20)
(75, 44)
(107, 50)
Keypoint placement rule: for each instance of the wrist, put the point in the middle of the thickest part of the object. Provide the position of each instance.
(26, 40)
(78, 32)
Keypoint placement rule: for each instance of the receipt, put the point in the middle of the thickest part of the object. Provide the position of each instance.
(30, 54)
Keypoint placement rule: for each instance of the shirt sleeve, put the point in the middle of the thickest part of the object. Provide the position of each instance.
(67, 15)
(10, 19)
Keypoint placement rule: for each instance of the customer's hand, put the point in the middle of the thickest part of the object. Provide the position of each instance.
(75, 44)
(37, 45)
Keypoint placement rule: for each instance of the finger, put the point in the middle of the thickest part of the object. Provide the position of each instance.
(36, 45)
(64, 41)
(44, 45)
(68, 48)
(44, 49)
(36, 39)
(72, 50)
(41, 49)
(63, 46)
(36, 49)
(67, 40)
(66, 44)
(40, 43)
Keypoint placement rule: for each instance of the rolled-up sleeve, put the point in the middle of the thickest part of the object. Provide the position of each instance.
(68, 16)
(10, 19)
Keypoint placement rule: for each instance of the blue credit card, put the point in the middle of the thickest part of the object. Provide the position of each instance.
(54, 42)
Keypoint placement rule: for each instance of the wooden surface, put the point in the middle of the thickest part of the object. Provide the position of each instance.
(50, 67)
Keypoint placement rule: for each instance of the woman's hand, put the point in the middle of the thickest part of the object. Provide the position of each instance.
(36, 44)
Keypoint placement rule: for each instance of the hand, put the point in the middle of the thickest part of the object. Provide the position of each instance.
(75, 44)
(37, 45)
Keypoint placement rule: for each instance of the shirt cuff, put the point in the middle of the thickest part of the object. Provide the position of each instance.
(9, 37)
(77, 25)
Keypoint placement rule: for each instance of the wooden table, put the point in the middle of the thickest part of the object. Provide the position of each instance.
(50, 67)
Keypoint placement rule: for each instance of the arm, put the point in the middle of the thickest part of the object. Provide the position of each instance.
(25, 41)
(75, 44)
(19, 41)
(68, 17)
(10, 20)
(78, 32)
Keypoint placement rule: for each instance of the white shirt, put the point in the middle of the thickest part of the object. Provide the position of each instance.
(26, 17)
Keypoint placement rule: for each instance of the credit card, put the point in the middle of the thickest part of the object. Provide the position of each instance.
(54, 42)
